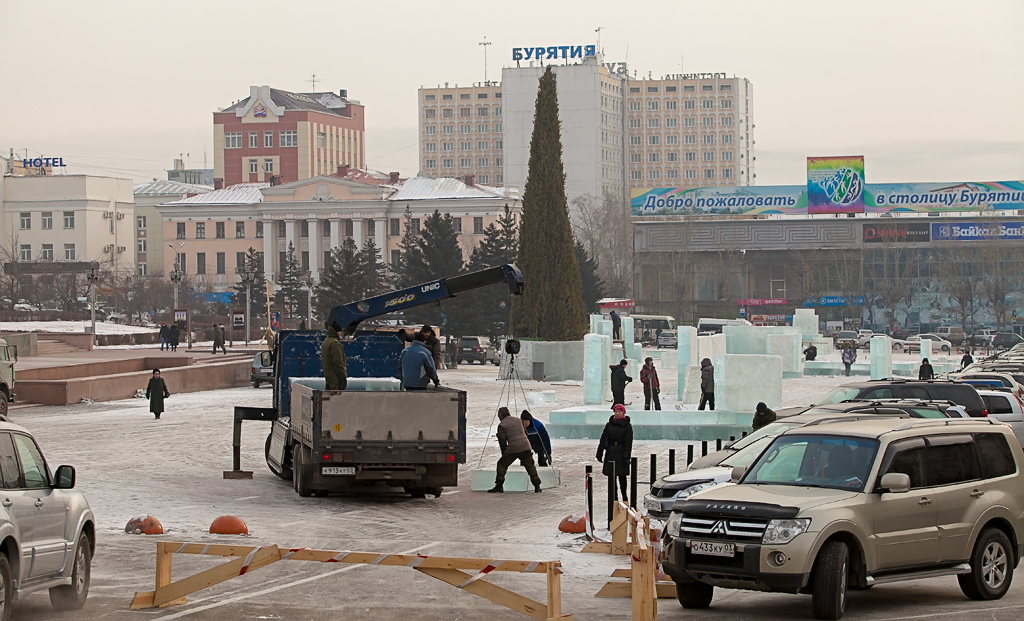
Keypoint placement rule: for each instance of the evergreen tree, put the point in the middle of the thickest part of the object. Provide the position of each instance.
(433, 254)
(372, 270)
(488, 309)
(593, 288)
(551, 307)
(291, 292)
(340, 281)
(409, 270)
(258, 303)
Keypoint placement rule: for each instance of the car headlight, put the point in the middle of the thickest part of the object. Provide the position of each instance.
(675, 520)
(693, 489)
(783, 531)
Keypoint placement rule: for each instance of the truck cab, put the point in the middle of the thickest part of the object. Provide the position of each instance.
(8, 356)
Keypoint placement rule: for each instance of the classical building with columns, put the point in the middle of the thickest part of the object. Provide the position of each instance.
(208, 235)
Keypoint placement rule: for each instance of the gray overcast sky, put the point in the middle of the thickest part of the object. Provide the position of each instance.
(926, 90)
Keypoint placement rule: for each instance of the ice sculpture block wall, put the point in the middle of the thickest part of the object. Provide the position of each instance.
(926, 349)
(787, 347)
(806, 320)
(593, 369)
(741, 380)
(881, 357)
(627, 333)
(689, 384)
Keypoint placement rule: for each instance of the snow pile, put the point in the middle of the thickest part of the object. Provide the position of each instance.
(102, 327)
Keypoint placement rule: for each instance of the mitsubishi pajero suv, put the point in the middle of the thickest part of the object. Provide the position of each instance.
(854, 504)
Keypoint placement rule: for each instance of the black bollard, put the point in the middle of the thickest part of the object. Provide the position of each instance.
(590, 494)
(732, 438)
(718, 444)
(703, 448)
(632, 483)
(689, 454)
(654, 468)
(744, 434)
(671, 461)
(611, 492)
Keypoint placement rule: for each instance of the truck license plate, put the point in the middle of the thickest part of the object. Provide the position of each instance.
(327, 470)
(713, 548)
(651, 504)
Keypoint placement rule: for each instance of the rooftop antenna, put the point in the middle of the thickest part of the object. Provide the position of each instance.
(598, 31)
(314, 82)
(485, 43)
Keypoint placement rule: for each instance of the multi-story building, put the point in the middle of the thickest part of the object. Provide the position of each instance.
(461, 132)
(149, 228)
(277, 136)
(689, 130)
(191, 176)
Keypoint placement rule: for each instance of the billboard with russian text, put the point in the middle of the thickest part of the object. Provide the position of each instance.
(835, 184)
(967, 196)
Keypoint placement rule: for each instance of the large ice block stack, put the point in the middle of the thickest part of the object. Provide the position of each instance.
(752, 339)
(627, 333)
(689, 382)
(593, 322)
(787, 347)
(686, 354)
(881, 357)
(604, 326)
(741, 380)
(355, 384)
(594, 367)
(926, 349)
(806, 320)
(710, 346)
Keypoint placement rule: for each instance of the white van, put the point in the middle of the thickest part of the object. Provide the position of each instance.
(715, 326)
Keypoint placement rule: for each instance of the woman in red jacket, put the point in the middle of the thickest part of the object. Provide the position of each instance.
(649, 378)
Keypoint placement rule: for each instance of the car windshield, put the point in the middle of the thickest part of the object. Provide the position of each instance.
(768, 431)
(749, 453)
(839, 395)
(833, 462)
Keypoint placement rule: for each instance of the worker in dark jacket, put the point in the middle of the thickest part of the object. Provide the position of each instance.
(164, 332)
(514, 445)
(811, 352)
(925, 372)
(652, 386)
(538, 436)
(433, 344)
(616, 325)
(333, 356)
(417, 365)
(616, 447)
(707, 384)
(763, 415)
(156, 392)
(619, 381)
(218, 338)
(173, 336)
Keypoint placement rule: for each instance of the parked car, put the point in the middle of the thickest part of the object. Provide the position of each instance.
(863, 337)
(927, 390)
(846, 337)
(49, 530)
(939, 344)
(1006, 340)
(475, 349)
(981, 338)
(854, 504)
(262, 371)
(1005, 408)
(1004, 380)
(668, 338)
(953, 334)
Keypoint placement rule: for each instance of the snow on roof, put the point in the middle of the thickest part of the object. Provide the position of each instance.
(328, 103)
(240, 193)
(160, 187)
(372, 177)
(424, 188)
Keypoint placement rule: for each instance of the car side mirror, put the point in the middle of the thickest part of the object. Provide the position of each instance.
(265, 359)
(737, 473)
(896, 483)
(65, 478)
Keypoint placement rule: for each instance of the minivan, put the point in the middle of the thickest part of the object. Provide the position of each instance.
(953, 334)
(930, 390)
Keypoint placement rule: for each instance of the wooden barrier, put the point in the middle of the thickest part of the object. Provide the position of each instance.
(446, 569)
(620, 530)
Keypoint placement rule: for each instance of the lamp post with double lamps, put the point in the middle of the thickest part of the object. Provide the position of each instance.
(248, 277)
(309, 282)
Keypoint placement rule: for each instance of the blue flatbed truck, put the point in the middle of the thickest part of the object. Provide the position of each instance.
(374, 432)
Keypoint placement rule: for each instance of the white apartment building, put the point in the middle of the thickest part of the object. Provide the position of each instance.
(461, 132)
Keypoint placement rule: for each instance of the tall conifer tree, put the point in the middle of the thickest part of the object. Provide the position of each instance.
(551, 307)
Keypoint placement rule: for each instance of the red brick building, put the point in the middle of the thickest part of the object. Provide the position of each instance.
(287, 136)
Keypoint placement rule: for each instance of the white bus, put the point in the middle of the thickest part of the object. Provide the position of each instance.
(714, 326)
(647, 327)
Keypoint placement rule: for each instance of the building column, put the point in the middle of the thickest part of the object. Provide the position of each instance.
(314, 248)
(335, 233)
(357, 232)
(380, 237)
(269, 253)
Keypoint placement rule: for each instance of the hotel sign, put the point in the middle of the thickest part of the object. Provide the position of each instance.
(553, 52)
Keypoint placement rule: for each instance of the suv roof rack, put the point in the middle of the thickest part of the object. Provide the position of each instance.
(854, 416)
(944, 421)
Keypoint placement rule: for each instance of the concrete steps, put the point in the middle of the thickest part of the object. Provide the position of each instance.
(46, 347)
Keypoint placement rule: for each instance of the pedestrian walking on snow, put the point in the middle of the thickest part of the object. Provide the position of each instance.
(707, 384)
(156, 392)
(849, 357)
(619, 381)
(925, 372)
(540, 442)
(616, 447)
(164, 330)
(966, 361)
(514, 445)
(218, 339)
(652, 386)
(173, 336)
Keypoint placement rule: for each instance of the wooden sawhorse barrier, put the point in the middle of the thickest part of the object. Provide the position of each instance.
(622, 529)
(446, 569)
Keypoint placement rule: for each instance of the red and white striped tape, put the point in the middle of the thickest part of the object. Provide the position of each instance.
(247, 561)
(491, 566)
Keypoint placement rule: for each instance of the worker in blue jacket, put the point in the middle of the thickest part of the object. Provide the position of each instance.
(538, 437)
(418, 365)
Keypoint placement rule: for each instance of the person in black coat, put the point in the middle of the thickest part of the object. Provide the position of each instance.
(156, 392)
(173, 335)
(619, 381)
(164, 330)
(616, 325)
(616, 447)
(925, 372)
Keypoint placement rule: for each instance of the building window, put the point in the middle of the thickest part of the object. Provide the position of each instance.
(709, 173)
(448, 163)
(634, 106)
(689, 139)
(430, 147)
(304, 228)
(634, 123)
(465, 129)
(69, 252)
(481, 95)
(25, 252)
(727, 156)
(671, 156)
(672, 174)
(47, 253)
(395, 226)
(180, 230)
(221, 263)
(707, 104)
(726, 121)
(726, 173)
(321, 140)
(26, 221)
(268, 165)
(653, 140)
(478, 225)
(483, 128)
(670, 123)
(709, 156)
(259, 229)
(396, 259)
(672, 139)
(447, 146)
(414, 223)
(139, 220)
(142, 269)
(430, 164)
(653, 157)
(430, 130)
(635, 158)
(652, 106)
(709, 139)
(457, 225)
(634, 141)
(200, 263)
(483, 162)
(239, 261)
(141, 245)
(690, 156)
(179, 261)
(707, 121)
(636, 175)
(47, 220)
(200, 230)
(726, 104)
(447, 130)
(239, 230)
(653, 123)
(690, 174)
(654, 175)
(325, 227)
(371, 228)
(254, 166)
(233, 140)
(483, 179)
(69, 219)
(290, 138)
(725, 87)
(634, 89)
(429, 113)
(707, 87)
(254, 140)
(499, 179)
(482, 111)
(268, 139)
(429, 98)
(672, 104)
(447, 113)
(465, 113)
(498, 145)
(689, 104)
(482, 145)
(726, 138)
(465, 162)
(463, 95)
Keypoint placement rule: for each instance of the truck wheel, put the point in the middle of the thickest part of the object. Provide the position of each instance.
(301, 472)
(255, 384)
(828, 595)
(72, 596)
(991, 567)
(7, 585)
(694, 594)
(435, 491)
(3, 404)
(285, 473)
(418, 492)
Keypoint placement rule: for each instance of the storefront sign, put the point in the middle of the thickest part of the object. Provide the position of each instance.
(43, 162)
(238, 319)
(613, 304)
(833, 300)
(974, 231)
(553, 52)
(762, 302)
(897, 232)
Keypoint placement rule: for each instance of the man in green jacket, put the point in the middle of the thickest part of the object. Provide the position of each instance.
(333, 356)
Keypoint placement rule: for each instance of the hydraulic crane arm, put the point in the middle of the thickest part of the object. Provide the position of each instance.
(347, 317)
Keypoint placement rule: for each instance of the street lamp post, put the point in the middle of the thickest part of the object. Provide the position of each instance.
(176, 277)
(248, 277)
(92, 275)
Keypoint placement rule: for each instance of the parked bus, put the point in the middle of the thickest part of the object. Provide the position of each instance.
(647, 327)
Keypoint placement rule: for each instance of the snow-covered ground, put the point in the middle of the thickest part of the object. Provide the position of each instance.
(102, 327)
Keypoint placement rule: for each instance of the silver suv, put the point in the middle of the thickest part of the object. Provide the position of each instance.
(47, 531)
(854, 504)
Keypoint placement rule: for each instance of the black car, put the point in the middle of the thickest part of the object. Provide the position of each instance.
(1006, 340)
(474, 349)
(928, 390)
